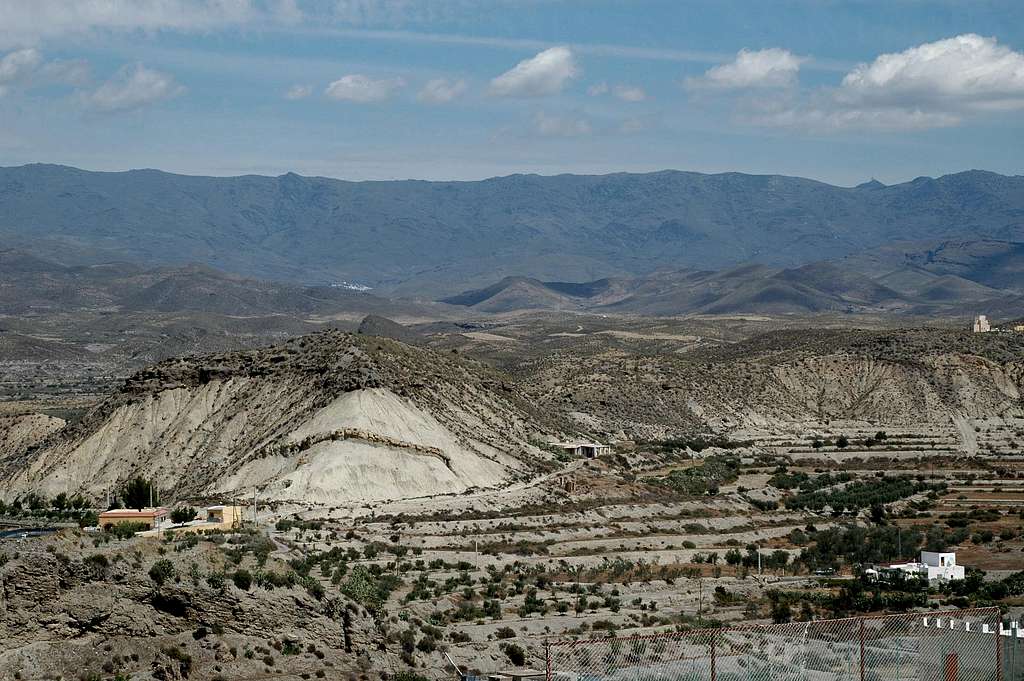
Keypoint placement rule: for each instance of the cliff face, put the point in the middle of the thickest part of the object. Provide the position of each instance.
(329, 418)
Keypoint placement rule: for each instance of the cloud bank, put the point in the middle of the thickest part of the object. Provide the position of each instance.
(133, 87)
(932, 85)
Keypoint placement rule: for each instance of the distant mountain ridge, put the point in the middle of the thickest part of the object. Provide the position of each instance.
(906, 280)
(32, 285)
(431, 239)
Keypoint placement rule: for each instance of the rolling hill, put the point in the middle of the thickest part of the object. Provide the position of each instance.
(30, 284)
(760, 289)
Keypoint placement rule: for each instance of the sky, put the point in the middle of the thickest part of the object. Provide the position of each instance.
(836, 90)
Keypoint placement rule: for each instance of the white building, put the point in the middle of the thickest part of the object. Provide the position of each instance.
(590, 450)
(981, 324)
(936, 567)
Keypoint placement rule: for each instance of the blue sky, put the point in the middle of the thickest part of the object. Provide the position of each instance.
(463, 89)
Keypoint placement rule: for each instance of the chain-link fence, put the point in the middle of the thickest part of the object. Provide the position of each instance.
(960, 645)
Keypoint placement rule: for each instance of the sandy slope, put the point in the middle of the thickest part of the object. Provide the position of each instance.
(22, 431)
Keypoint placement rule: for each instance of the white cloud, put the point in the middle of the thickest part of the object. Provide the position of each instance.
(66, 71)
(441, 90)
(298, 92)
(26, 22)
(362, 89)
(26, 68)
(19, 64)
(398, 12)
(629, 93)
(133, 87)
(828, 118)
(561, 126)
(773, 67)
(967, 71)
(547, 73)
(933, 85)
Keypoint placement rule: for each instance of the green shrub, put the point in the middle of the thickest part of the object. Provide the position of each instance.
(127, 530)
(515, 654)
(183, 514)
(242, 579)
(162, 571)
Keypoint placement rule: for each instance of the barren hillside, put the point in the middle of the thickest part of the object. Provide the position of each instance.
(328, 418)
(772, 380)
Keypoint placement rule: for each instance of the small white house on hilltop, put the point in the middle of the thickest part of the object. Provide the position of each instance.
(937, 567)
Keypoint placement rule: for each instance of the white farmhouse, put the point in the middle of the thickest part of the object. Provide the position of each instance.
(937, 567)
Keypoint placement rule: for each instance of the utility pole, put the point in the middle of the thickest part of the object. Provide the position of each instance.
(700, 599)
(577, 569)
(254, 516)
(151, 494)
(759, 560)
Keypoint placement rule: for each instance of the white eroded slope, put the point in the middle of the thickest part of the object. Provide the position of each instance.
(385, 448)
(325, 419)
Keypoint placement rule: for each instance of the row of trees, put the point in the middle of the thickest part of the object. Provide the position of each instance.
(136, 493)
(842, 442)
(854, 545)
(860, 494)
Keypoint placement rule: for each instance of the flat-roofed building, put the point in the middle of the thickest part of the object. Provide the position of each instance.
(225, 517)
(152, 518)
(589, 450)
(934, 566)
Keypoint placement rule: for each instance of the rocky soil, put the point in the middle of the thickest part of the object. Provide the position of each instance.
(73, 610)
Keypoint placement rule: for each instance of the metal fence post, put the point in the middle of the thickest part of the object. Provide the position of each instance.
(714, 663)
(952, 667)
(999, 647)
(547, 658)
(862, 650)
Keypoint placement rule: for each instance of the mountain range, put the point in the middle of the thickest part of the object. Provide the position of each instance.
(34, 285)
(950, 279)
(434, 239)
